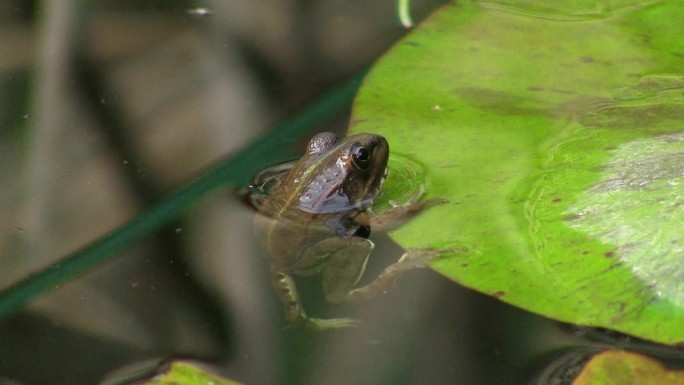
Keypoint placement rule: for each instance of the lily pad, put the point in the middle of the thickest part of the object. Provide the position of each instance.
(184, 373)
(616, 367)
(558, 141)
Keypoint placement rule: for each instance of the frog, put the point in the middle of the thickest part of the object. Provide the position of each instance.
(317, 220)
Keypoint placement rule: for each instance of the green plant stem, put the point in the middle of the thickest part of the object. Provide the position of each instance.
(404, 13)
(234, 171)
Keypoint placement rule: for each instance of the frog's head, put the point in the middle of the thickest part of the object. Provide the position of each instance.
(365, 162)
(343, 174)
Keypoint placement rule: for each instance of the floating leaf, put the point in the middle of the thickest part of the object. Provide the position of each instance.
(181, 373)
(615, 367)
(558, 141)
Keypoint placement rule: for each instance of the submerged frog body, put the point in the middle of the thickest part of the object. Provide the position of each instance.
(317, 220)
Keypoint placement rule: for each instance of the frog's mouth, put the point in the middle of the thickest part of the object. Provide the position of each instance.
(378, 171)
(372, 193)
(384, 176)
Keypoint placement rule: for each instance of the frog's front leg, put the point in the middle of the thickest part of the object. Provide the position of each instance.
(402, 213)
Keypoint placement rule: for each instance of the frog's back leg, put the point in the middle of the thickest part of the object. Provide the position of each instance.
(287, 293)
(345, 267)
(294, 313)
(313, 260)
(412, 259)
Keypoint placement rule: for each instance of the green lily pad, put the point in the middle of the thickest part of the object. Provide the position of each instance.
(173, 372)
(184, 373)
(559, 143)
(616, 367)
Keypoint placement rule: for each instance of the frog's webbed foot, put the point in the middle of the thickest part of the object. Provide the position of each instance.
(319, 324)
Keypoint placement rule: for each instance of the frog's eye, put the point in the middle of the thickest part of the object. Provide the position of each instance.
(360, 155)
